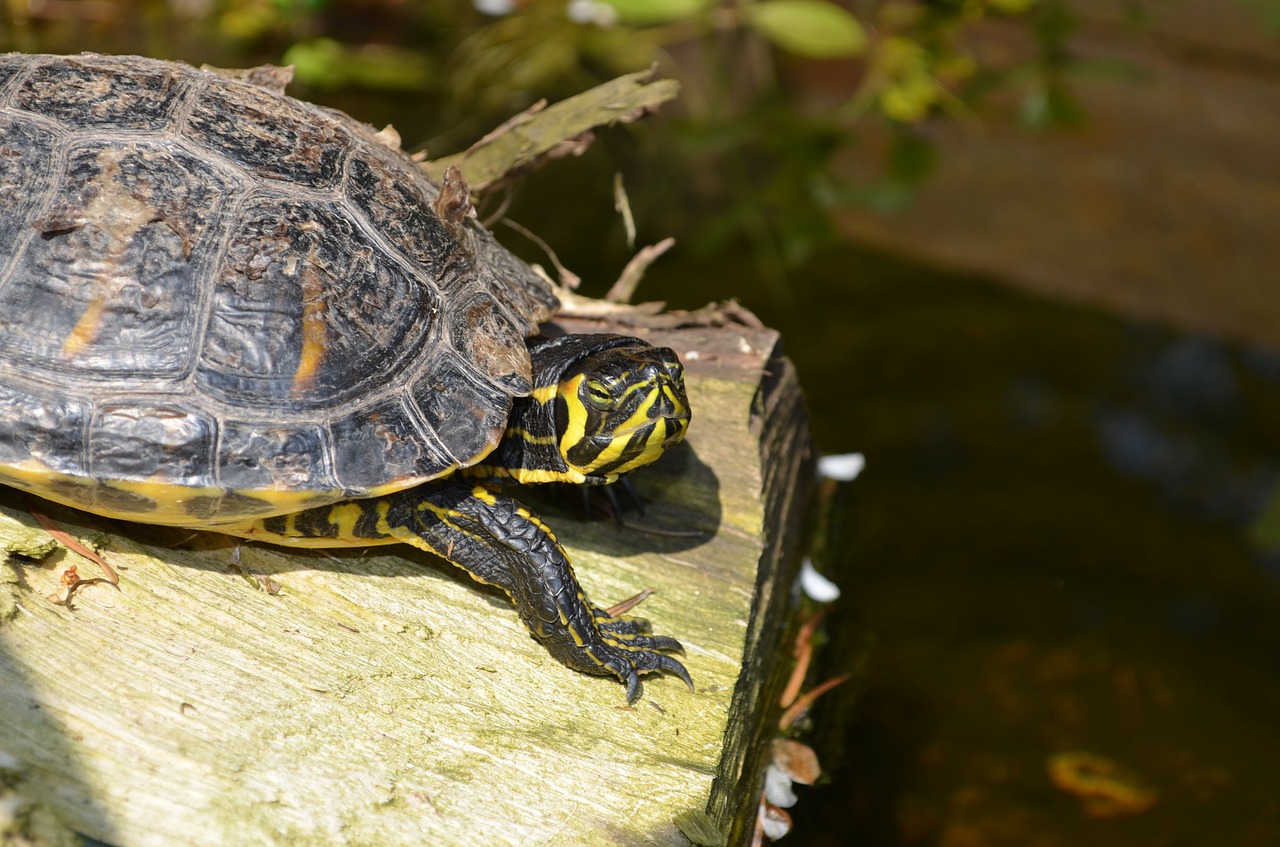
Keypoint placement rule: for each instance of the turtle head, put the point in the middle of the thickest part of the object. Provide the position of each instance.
(601, 406)
(619, 408)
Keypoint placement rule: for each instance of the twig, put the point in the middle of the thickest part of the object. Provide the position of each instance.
(623, 290)
(71, 543)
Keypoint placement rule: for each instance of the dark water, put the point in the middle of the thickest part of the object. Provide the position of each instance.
(1059, 544)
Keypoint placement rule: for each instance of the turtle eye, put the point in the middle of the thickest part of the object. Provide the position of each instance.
(597, 394)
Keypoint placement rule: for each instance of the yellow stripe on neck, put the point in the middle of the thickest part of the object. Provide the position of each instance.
(576, 427)
(544, 394)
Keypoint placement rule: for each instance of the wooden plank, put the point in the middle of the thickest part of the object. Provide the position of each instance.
(385, 698)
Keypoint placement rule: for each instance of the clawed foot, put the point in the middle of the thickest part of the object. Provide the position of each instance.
(627, 649)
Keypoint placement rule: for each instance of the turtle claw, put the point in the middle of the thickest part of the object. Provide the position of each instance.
(638, 655)
(666, 663)
(630, 667)
(662, 642)
(633, 686)
(635, 634)
(627, 650)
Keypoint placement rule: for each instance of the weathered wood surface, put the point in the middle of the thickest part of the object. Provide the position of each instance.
(564, 129)
(386, 699)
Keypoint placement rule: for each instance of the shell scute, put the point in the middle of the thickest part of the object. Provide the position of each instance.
(269, 135)
(303, 315)
(130, 441)
(261, 455)
(101, 92)
(113, 500)
(486, 335)
(383, 442)
(26, 169)
(400, 210)
(10, 67)
(107, 285)
(43, 432)
(526, 297)
(467, 414)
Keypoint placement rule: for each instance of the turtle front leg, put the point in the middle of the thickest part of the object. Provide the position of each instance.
(499, 542)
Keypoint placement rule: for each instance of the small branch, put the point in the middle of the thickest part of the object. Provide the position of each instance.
(568, 279)
(538, 134)
(625, 288)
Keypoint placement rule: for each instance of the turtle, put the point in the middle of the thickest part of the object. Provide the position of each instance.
(227, 309)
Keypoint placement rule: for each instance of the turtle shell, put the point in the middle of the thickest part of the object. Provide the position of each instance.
(218, 302)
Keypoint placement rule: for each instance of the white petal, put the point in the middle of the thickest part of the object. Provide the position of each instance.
(591, 12)
(777, 788)
(844, 467)
(494, 7)
(816, 586)
(774, 822)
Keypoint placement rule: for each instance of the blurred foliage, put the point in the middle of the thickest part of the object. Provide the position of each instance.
(775, 92)
(1270, 10)
(1264, 531)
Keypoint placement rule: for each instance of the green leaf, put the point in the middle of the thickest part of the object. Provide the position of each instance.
(909, 99)
(326, 63)
(317, 62)
(812, 28)
(642, 12)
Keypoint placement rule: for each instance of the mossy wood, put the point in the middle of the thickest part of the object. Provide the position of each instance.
(566, 128)
(385, 698)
